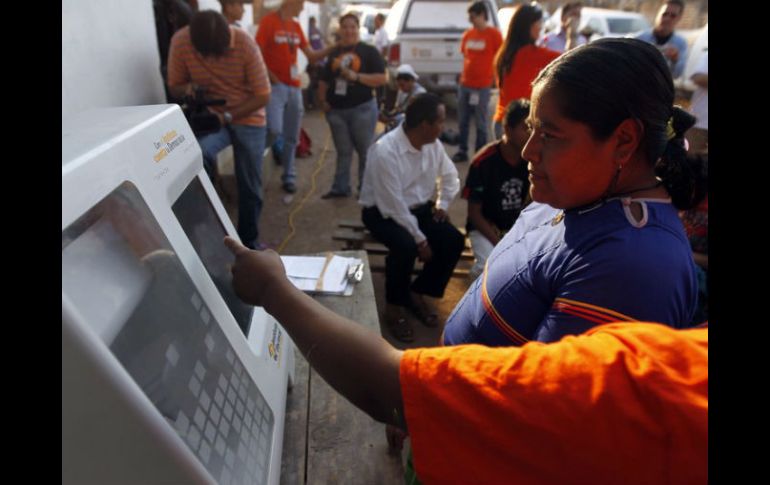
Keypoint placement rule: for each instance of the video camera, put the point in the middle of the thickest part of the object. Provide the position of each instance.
(195, 108)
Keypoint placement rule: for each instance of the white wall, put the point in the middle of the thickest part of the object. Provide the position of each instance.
(109, 55)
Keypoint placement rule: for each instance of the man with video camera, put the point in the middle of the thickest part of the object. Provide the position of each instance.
(213, 60)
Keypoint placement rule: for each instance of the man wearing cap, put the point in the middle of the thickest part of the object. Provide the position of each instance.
(478, 46)
(408, 88)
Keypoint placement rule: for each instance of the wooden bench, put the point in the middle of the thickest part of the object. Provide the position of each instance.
(355, 236)
(326, 438)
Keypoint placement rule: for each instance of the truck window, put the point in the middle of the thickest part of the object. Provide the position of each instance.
(626, 25)
(422, 17)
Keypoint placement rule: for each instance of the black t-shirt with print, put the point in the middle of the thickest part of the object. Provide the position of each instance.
(361, 58)
(500, 188)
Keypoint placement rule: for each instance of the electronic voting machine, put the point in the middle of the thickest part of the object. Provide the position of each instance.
(167, 377)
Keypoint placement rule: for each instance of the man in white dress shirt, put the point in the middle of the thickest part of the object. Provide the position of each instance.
(400, 211)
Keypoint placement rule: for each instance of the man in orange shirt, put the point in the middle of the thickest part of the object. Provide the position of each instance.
(478, 46)
(622, 403)
(279, 37)
(226, 62)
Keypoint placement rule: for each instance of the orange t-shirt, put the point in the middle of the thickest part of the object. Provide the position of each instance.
(479, 48)
(622, 403)
(235, 77)
(517, 83)
(279, 41)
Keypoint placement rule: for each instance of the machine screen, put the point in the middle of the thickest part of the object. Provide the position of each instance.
(200, 222)
(121, 273)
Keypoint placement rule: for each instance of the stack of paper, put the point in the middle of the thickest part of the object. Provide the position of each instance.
(319, 274)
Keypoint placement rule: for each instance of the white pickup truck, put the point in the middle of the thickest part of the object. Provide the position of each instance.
(426, 35)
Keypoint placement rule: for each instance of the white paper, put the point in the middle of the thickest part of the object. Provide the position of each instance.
(303, 266)
(304, 272)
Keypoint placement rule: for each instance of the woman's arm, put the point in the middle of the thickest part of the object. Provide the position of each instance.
(356, 362)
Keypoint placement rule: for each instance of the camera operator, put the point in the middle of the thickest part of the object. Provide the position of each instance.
(226, 63)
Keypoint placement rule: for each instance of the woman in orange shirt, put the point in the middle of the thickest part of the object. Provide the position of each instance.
(623, 403)
(519, 60)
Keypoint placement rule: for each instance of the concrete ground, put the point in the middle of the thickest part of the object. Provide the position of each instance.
(313, 220)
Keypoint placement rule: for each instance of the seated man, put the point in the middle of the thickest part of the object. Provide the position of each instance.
(408, 88)
(497, 185)
(226, 62)
(397, 191)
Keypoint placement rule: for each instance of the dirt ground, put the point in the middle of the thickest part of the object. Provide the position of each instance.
(314, 220)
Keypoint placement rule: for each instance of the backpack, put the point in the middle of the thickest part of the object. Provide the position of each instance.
(304, 144)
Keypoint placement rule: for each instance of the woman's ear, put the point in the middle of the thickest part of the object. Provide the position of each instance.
(628, 135)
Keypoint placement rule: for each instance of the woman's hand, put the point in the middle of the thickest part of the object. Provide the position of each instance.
(349, 74)
(256, 274)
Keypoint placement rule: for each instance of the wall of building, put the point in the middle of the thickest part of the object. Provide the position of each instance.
(109, 55)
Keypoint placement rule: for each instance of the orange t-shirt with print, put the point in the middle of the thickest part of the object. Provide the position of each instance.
(479, 48)
(622, 403)
(517, 82)
(279, 41)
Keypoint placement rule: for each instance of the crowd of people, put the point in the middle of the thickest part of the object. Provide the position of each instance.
(575, 217)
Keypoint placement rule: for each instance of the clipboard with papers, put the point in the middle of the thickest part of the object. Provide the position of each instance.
(328, 275)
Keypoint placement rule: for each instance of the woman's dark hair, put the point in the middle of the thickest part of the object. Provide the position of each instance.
(516, 112)
(209, 33)
(478, 8)
(610, 80)
(352, 16)
(423, 107)
(519, 35)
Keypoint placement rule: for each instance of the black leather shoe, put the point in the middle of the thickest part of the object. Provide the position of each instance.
(289, 187)
(460, 157)
(334, 195)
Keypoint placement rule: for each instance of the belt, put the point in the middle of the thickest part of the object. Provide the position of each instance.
(415, 207)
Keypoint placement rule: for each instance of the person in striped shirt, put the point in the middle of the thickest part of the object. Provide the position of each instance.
(226, 62)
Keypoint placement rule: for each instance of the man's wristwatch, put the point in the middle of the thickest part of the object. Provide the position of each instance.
(227, 117)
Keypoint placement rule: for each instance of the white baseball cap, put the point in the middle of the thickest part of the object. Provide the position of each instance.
(406, 69)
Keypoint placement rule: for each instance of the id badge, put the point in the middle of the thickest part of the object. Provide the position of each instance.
(294, 72)
(474, 99)
(341, 87)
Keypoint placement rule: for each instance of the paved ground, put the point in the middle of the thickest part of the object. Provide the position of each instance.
(315, 219)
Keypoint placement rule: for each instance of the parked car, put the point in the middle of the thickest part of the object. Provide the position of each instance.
(596, 23)
(426, 35)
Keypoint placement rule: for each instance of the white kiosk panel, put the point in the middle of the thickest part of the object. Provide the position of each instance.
(150, 323)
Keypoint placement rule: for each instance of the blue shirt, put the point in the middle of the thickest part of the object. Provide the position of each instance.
(675, 40)
(554, 275)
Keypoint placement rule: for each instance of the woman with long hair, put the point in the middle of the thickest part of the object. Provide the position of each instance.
(519, 60)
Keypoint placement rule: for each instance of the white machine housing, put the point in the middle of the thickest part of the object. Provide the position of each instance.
(166, 376)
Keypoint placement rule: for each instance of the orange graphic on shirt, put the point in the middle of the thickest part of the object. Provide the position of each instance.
(346, 59)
